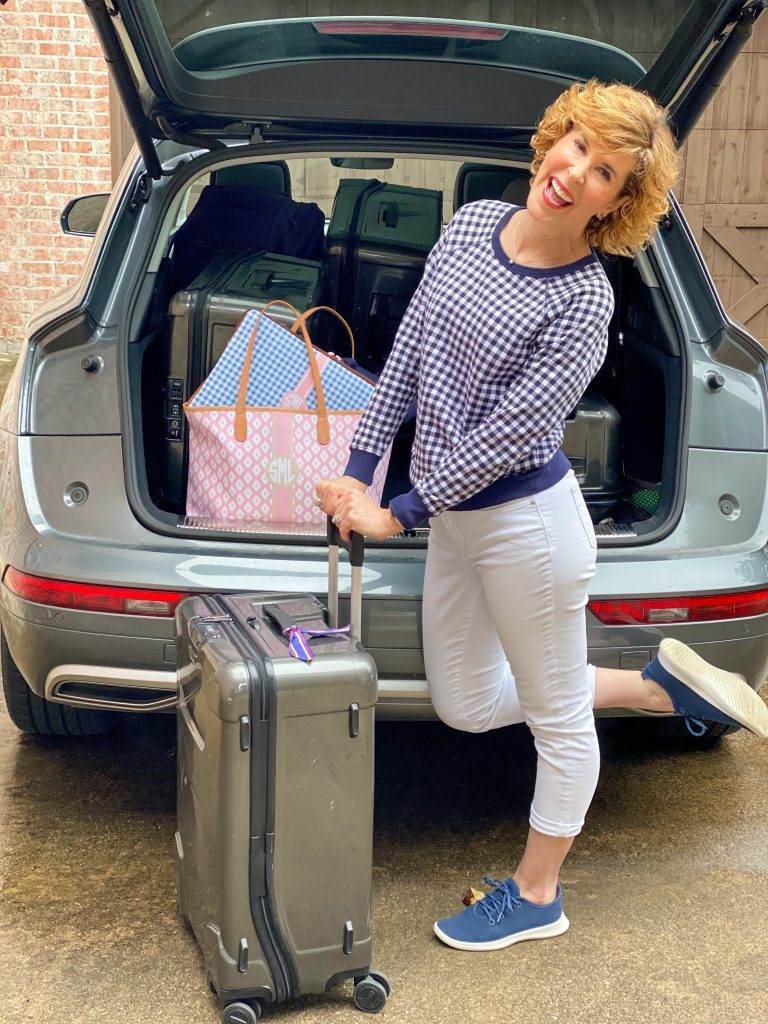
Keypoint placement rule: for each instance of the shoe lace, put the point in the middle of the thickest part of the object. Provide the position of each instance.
(498, 902)
(700, 727)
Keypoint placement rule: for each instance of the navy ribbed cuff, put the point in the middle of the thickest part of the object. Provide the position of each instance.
(409, 509)
(362, 465)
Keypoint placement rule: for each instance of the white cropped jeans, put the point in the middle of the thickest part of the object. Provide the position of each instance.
(505, 637)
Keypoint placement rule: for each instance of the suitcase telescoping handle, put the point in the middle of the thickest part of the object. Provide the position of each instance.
(356, 548)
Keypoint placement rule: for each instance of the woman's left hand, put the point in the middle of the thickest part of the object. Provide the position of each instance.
(358, 512)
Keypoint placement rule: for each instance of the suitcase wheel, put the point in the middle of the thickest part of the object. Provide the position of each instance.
(370, 993)
(382, 980)
(241, 1013)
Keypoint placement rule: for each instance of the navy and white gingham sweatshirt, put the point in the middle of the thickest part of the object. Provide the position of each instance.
(497, 354)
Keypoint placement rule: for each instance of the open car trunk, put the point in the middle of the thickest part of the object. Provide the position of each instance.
(197, 75)
(623, 439)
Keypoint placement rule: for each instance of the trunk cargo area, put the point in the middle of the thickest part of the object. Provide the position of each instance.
(622, 439)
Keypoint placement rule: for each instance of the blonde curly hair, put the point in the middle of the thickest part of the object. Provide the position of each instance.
(626, 121)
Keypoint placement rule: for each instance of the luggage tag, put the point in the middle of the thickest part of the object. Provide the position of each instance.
(297, 636)
(298, 644)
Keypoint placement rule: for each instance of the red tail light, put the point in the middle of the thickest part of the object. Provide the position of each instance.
(89, 597)
(444, 30)
(653, 610)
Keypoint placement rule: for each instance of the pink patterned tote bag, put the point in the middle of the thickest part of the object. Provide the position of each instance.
(274, 416)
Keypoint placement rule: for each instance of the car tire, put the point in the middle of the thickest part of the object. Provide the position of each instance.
(33, 714)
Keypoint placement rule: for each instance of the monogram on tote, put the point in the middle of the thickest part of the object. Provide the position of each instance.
(274, 416)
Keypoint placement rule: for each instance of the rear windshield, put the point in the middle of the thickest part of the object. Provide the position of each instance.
(316, 180)
(260, 31)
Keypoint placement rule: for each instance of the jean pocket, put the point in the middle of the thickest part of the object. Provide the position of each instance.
(584, 517)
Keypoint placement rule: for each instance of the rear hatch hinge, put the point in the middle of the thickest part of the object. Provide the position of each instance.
(141, 192)
(257, 132)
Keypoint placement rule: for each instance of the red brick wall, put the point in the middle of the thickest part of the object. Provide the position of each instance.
(54, 145)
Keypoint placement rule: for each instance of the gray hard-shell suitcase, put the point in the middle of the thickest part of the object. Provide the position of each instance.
(275, 797)
(203, 318)
(591, 442)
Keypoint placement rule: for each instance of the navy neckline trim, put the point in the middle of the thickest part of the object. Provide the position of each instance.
(518, 268)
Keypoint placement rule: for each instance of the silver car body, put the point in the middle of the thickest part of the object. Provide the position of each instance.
(69, 510)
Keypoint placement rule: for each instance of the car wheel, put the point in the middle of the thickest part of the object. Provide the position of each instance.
(34, 714)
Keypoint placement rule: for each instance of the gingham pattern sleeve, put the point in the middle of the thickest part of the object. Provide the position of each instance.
(568, 354)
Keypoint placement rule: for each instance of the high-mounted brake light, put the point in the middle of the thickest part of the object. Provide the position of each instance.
(653, 610)
(90, 597)
(362, 27)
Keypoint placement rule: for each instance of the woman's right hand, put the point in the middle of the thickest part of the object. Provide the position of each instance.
(330, 491)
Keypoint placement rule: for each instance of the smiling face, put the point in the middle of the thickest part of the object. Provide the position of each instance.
(577, 180)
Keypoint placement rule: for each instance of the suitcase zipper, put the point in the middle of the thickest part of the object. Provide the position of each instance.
(272, 942)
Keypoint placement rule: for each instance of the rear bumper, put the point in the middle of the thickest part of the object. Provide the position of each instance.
(127, 663)
(102, 687)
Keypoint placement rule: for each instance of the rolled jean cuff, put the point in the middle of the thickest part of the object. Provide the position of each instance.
(549, 828)
(592, 676)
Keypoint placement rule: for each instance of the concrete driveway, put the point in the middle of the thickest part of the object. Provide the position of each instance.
(666, 890)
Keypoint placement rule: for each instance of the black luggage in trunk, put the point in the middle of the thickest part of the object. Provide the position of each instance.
(378, 240)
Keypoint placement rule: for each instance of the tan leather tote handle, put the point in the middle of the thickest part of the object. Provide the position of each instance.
(325, 309)
(241, 422)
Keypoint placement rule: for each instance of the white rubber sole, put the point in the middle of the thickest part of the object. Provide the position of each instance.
(544, 931)
(729, 692)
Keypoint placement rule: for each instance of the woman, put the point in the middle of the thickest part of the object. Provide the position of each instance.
(501, 339)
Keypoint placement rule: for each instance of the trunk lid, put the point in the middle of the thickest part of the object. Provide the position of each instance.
(213, 70)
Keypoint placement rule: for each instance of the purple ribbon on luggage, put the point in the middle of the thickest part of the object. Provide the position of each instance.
(298, 644)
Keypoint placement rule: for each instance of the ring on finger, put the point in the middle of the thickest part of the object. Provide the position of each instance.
(337, 520)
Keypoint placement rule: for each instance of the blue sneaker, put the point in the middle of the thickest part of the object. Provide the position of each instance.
(703, 693)
(501, 918)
